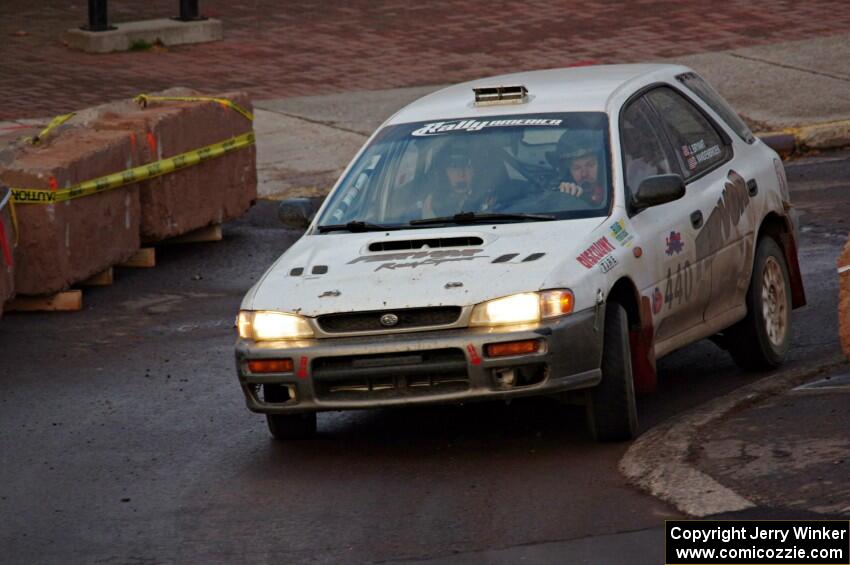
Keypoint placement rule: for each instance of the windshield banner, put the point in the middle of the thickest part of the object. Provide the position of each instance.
(438, 128)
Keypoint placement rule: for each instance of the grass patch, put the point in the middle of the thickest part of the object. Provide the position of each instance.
(142, 45)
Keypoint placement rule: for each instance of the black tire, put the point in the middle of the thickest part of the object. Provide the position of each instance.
(760, 341)
(287, 426)
(292, 426)
(611, 408)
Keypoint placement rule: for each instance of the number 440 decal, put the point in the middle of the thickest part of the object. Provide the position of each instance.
(679, 285)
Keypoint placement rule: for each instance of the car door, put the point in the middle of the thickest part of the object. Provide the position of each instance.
(720, 186)
(677, 290)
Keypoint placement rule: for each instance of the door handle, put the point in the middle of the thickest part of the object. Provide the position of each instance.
(752, 187)
(696, 219)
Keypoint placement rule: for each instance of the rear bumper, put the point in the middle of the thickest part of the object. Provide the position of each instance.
(447, 366)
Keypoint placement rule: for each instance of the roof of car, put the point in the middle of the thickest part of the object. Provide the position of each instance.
(573, 89)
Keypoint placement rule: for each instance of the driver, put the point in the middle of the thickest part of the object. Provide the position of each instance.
(577, 158)
(454, 188)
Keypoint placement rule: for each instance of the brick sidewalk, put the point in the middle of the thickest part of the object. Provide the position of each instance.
(280, 49)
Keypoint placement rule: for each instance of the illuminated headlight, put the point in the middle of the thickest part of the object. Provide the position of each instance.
(523, 308)
(269, 326)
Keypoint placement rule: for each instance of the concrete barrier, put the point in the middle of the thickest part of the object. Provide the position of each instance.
(66, 242)
(7, 248)
(844, 299)
(63, 243)
(213, 192)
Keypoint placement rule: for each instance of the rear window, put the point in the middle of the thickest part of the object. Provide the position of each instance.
(716, 102)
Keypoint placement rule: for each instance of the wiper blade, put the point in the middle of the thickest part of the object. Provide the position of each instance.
(472, 218)
(356, 226)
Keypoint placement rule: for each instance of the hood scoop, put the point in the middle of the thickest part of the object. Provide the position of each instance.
(431, 243)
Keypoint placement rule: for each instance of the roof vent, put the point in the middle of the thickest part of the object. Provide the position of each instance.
(495, 95)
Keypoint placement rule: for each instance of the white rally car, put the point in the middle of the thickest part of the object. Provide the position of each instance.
(546, 232)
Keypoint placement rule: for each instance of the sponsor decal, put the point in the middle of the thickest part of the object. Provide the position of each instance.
(689, 158)
(697, 153)
(657, 301)
(607, 263)
(302, 368)
(439, 128)
(595, 253)
(414, 259)
(623, 237)
(474, 358)
(709, 153)
(674, 243)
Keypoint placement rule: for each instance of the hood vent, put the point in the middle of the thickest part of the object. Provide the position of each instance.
(435, 243)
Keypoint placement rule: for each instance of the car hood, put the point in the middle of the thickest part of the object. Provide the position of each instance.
(346, 272)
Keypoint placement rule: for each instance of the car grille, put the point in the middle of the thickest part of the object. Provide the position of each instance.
(371, 321)
(390, 375)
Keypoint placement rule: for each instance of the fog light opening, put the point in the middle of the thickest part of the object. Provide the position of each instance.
(504, 378)
(278, 393)
(524, 375)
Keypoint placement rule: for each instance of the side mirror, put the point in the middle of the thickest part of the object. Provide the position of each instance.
(296, 213)
(658, 189)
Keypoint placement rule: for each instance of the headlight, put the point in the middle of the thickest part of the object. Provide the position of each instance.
(523, 308)
(267, 326)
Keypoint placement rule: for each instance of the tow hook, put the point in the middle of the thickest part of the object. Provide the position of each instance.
(600, 300)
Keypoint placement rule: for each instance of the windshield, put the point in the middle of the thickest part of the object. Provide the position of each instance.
(551, 164)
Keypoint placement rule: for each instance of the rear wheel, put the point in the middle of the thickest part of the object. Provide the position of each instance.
(760, 341)
(611, 409)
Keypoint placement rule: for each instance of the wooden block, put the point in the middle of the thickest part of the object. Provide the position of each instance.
(66, 301)
(144, 257)
(104, 278)
(209, 233)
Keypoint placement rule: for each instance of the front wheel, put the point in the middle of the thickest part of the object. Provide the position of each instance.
(291, 426)
(611, 409)
(760, 341)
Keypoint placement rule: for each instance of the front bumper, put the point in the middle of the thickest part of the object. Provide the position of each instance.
(447, 366)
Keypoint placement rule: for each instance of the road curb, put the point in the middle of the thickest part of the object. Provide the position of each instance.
(659, 461)
(826, 135)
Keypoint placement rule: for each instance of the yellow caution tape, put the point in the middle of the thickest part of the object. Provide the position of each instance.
(130, 176)
(143, 100)
(54, 123)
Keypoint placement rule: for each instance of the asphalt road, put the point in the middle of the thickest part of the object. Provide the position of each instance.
(124, 437)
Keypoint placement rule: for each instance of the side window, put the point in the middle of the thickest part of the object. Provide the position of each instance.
(643, 147)
(698, 145)
(716, 102)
